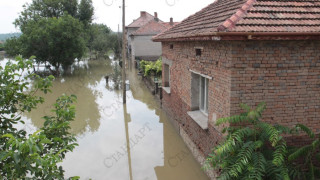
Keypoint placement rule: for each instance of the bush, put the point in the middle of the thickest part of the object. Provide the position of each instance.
(148, 67)
(310, 154)
(254, 149)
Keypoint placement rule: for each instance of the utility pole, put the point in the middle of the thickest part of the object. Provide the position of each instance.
(124, 52)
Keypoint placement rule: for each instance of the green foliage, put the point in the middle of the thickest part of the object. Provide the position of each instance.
(86, 12)
(102, 39)
(53, 31)
(55, 40)
(31, 156)
(115, 43)
(256, 150)
(148, 67)
(13, 46)
(39, 9)
(252, 150)
(1, 47)
(310, 154)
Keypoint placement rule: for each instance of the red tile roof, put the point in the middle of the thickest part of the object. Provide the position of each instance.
(249, 16)
(141, 21)
(153, 28)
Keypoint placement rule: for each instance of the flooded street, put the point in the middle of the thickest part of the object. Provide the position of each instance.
(116, 141)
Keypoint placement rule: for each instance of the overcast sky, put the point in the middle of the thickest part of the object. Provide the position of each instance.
(108, 11)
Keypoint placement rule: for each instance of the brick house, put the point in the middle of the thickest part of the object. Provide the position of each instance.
(141, 40)
(242, 51)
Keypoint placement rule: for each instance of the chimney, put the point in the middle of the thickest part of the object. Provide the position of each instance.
(143, 14)
(171, 21)
(156, 16)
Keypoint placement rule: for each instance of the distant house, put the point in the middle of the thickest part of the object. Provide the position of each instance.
(141, 40)
(136, 24)
(242, 51)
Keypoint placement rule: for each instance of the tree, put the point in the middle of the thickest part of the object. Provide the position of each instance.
(39, 9)
(32, 156)
(13, 46)
(86, 11)
(98, 40)
(53, 31)
(102, 39)
(115, 43)
(55, 40)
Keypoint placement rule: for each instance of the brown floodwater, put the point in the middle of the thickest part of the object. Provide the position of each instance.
(116, 141)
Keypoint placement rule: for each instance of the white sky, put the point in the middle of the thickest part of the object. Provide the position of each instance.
(108, 11)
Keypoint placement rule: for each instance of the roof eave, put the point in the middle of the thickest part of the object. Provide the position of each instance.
(144, 34)
(243, 36)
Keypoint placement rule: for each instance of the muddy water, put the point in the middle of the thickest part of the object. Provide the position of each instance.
(116, 141)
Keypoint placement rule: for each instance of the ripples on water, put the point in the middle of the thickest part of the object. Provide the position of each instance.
(104, 127)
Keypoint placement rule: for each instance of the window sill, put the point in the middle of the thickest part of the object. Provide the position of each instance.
(200, 118)
(166, 89)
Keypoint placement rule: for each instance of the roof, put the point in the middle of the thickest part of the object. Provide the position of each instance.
(249, 16)
(153, 28)
(141, 21)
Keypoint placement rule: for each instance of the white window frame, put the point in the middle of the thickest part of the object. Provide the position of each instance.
(203, 94)
(197, 113)
(167, 75)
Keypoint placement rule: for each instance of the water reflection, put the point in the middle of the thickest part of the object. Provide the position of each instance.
(2, 55)
(116, 141)
(127, 119)
(87, 113)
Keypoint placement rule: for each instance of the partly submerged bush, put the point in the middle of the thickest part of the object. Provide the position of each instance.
(148, 67)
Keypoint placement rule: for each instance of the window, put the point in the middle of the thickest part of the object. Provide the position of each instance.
(166, 75)
(198, 52)
(171, 46)
(199, 99)
(203, 103)
(199, 92)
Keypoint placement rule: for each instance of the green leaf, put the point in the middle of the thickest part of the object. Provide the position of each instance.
(301, 152)
(7, 136)
(305, 129)
(16, 157)
(3, 155)
(75, 178)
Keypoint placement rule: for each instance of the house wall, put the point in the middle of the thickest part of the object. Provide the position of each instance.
(214, 62)
(284, 74)
(129, 32)
(144, 48)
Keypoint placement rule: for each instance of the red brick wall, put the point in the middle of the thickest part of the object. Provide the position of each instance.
(284, 74)
(214, 62)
